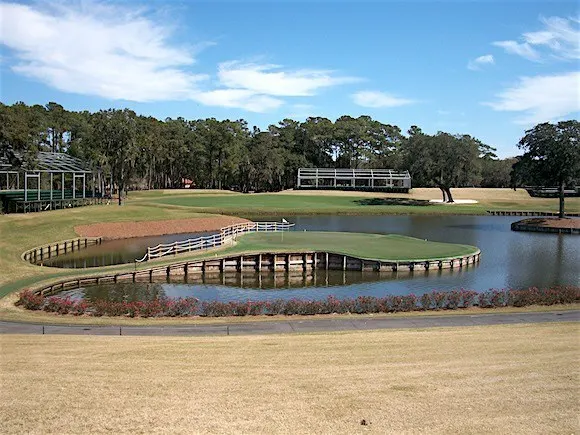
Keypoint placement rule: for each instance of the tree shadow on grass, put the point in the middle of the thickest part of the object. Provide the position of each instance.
(393, 201)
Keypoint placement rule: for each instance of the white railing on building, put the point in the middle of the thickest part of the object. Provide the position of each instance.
(226, 235)
(384, 177)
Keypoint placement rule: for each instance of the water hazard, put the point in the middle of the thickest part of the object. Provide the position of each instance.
(115, 251)
(509, 259)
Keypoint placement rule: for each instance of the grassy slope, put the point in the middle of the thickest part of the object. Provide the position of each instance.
(372, 246)
(20, 232)
(492, 379)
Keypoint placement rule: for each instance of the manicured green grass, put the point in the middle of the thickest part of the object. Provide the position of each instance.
(318, 203)
(390, 247)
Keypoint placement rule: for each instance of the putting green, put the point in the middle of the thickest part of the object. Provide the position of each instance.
(390, 247)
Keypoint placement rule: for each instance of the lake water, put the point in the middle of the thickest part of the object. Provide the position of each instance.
(509, 259)
(111, 252)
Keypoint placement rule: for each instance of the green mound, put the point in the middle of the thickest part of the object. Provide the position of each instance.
(390, 247)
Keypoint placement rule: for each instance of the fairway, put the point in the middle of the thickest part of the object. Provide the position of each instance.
(320, 202)
(490, 379)
(390, 247)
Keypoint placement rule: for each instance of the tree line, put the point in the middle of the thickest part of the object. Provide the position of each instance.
(148, 153)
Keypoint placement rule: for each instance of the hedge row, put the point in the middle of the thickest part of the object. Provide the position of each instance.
(183, 307)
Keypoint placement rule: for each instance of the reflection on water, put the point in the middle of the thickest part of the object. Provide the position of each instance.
(264, 285)
(115, 251)
(509, 259)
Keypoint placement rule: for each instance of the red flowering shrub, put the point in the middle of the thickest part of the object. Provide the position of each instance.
(257, 308)
(453, 300)
(31, 300)
(58, 305)
(182, 307)
(426, 301)
(468, 297)
(439, 299)
(362, 304)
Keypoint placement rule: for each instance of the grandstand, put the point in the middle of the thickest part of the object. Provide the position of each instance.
(383, 180)
(51, 181)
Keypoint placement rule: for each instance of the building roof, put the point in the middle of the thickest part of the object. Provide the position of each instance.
(46, 162)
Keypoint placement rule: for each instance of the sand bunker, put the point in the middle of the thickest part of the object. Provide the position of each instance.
(457, 201)
(124, 230)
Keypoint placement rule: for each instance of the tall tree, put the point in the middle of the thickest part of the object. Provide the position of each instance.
(115, 131)
(443, 160)
(551, 156)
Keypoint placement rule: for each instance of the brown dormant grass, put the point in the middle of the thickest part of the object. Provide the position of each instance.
(492, 379)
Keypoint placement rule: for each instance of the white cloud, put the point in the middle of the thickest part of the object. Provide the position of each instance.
(477, 63)
(100, 50)
(523, 50)
(560, 38)
(119, 53)
(238, 98)
(541, 98)
(377, 99)
(271, 80)
(258, 88)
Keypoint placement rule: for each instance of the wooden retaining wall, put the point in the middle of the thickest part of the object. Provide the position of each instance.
(519, 226)
(303, 261)
(40, 253)
(528, 213)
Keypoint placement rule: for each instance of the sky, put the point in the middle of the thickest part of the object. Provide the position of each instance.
(491, 69)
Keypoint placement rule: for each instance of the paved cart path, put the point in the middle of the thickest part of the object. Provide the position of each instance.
(297, 326)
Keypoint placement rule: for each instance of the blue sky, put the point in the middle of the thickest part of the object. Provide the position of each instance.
(491, 69)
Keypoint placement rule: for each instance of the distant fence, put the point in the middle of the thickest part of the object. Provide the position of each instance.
(40, 253)
(226, 234)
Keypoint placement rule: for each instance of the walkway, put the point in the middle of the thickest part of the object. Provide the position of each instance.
(297, 326)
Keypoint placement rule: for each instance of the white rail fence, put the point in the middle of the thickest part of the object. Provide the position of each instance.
(226, 235)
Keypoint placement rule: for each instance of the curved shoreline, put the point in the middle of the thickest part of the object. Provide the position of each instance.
(131, 229)
(548, 225)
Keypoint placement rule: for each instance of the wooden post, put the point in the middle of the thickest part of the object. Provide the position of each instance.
(259, 263)
(326, 263)
(344, 262)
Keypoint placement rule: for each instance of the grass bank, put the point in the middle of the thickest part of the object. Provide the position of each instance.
(20, 232)
(443, 380)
